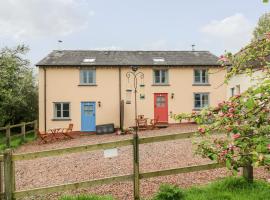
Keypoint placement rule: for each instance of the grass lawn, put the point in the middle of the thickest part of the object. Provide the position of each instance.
(16, 140)
(230, 189)
(225, 189)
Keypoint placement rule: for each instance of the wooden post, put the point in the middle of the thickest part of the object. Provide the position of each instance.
(1, 178)
(248, 173)
(35, 128)
(23, 131)
(9, 175)
(136, 168)
(8, 136)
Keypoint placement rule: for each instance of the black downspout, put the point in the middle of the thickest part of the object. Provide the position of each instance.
(45, 101)
(120, 98)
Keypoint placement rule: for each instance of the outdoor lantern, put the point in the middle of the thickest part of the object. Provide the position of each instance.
(172, 95)
(128, 96)
(99, 104)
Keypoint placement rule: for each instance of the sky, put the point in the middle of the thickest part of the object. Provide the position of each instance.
(216, 26)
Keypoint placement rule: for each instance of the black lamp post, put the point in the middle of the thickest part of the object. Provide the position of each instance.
(136, 186)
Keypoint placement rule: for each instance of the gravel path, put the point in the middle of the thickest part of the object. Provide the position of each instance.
(85, 166)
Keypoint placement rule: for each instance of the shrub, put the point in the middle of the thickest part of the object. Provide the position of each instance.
(169, 192)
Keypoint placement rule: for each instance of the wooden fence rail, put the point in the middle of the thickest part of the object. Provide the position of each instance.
(23, 131)
(9, 161)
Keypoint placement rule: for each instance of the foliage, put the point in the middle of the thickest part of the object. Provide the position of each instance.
(86, 197)
(169, 192)
(18, 90)
(244, 118)
(16, 141)
(262, 27)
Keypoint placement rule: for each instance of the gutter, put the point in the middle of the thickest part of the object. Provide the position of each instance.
(120, 98)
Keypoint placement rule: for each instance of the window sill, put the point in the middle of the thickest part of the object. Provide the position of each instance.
(61, 119)
(201, 84)
(87, 85)
(161, 84)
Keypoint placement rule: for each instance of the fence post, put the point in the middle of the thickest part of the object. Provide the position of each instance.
(8, 136)
(35, 128)
(9, 175)
(1, 179)
(23, 131)
(136, 181)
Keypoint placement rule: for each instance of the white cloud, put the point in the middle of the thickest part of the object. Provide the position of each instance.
(34, 18)
(231, 33)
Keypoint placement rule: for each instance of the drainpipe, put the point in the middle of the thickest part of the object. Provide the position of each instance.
(45, 100)
(120, 98)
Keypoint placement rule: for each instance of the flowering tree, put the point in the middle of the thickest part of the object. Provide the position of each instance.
(244, 118)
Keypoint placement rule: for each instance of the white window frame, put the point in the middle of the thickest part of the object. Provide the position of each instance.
(87, 71)
(201, 77)
(160, 77)
(201, 97)
(61, 110)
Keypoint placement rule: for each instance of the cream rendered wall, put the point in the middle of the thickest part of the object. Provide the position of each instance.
(180, 83)
(244, 81)
(63, 86)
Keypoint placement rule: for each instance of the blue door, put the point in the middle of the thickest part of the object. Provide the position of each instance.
(88, 112)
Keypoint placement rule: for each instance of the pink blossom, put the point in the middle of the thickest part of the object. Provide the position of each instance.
(267, 35)
(222, 58)
(235, 136)
(268, 147)
(201, 130)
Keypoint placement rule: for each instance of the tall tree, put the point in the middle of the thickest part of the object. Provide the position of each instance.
(18, 90)
(262, 27)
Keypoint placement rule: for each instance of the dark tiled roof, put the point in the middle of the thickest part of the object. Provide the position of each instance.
(126, 58)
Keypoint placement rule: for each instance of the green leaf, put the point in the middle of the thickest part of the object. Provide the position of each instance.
(250, 103)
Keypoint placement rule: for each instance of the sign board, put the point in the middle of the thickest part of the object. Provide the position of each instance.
(110, 153)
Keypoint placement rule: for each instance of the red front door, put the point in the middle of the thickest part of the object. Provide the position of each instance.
(161, 107)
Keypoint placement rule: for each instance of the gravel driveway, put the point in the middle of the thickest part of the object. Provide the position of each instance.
(85, 166)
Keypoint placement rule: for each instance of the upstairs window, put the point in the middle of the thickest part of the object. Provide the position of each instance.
(61, 110)
(161, 76)
(201, 100)
(200, 76)
(88, 77)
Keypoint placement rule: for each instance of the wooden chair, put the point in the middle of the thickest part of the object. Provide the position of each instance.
(141, 123)
(68, 131)
(43, 136)
(153, 123)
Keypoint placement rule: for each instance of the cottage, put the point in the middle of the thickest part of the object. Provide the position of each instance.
(86, 88)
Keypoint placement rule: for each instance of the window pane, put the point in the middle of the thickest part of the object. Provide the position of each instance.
(204, 100)
(90, 77)
(65, 106)
(204, 76)
(163, 77)
(58, 113)
(84, 76)
(66, 113)
(197, 76)
(157, 76)
(197, 101)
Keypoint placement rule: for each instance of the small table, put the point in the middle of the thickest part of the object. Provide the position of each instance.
(54, 132)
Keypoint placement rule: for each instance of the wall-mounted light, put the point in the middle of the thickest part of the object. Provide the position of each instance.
(99, 104)
(172, 95)
(128, 96)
